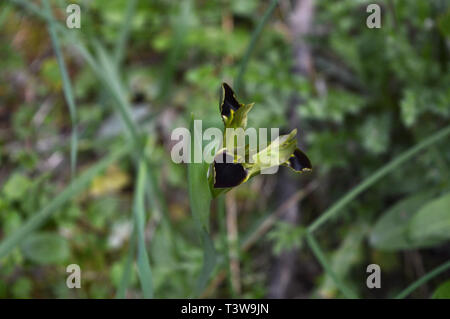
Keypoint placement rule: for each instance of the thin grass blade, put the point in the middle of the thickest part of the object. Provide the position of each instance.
(252, 44)
(422, 280)
(372, 179)
(348, 293)
(143, 263)
(127, 268)
(126, 26)
(67, 86)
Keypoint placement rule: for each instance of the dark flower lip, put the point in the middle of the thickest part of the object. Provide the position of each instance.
(226, 173)
(228, 101)
(299, 162)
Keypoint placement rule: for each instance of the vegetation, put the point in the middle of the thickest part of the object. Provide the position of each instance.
(86, 175)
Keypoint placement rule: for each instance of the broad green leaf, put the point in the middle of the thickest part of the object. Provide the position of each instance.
(432, 223)
(391, 230)
(46, 248)
(443, 291)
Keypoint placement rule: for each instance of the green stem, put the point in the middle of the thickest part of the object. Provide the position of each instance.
(251, 46)
(372, 179)
(423, 280)
(348, 293)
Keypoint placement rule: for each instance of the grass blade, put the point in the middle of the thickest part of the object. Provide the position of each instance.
(74, 188)
(143, 264)
(126, 275)
(107, 72)
(348, 293)
(181, 25)
(67, 87)
(252, 44)
(372, 179)
(209, 262)
(120, 46)
(438, 270)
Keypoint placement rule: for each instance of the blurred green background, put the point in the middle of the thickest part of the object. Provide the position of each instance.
(85, 170)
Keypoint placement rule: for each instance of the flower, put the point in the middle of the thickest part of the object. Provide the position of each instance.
(235, 164)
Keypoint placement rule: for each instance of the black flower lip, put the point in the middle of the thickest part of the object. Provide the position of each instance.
(299, 162)
(228, 101)
(227, 173)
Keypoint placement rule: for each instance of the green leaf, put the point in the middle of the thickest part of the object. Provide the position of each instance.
(432, 223)
(348, 255)
(443, 291)
(209, 262)
(143, 263)
(200, 201)
(16, 187)
(46, 248)
(22, 288)
(199, 194)
(391, 230)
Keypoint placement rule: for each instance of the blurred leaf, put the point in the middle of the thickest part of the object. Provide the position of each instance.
(143, 262)
(285, 236)
(113, 180)
(50, 73)
(200, 201)
(374, 133)
(443, 291)
(46, 248)
(432, 223)
(444, 23)
(22, 288)
(16, 187)
(343, 259)
(199, 194)
(391, 230)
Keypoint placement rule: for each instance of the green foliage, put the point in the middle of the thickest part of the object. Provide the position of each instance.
(413, 223)
(46, 248)
(443, 291)
(285, 236)
(200, 201)
(432, 221)
(371, 116)
(16, 187)
(391, 232)
(347, 256)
